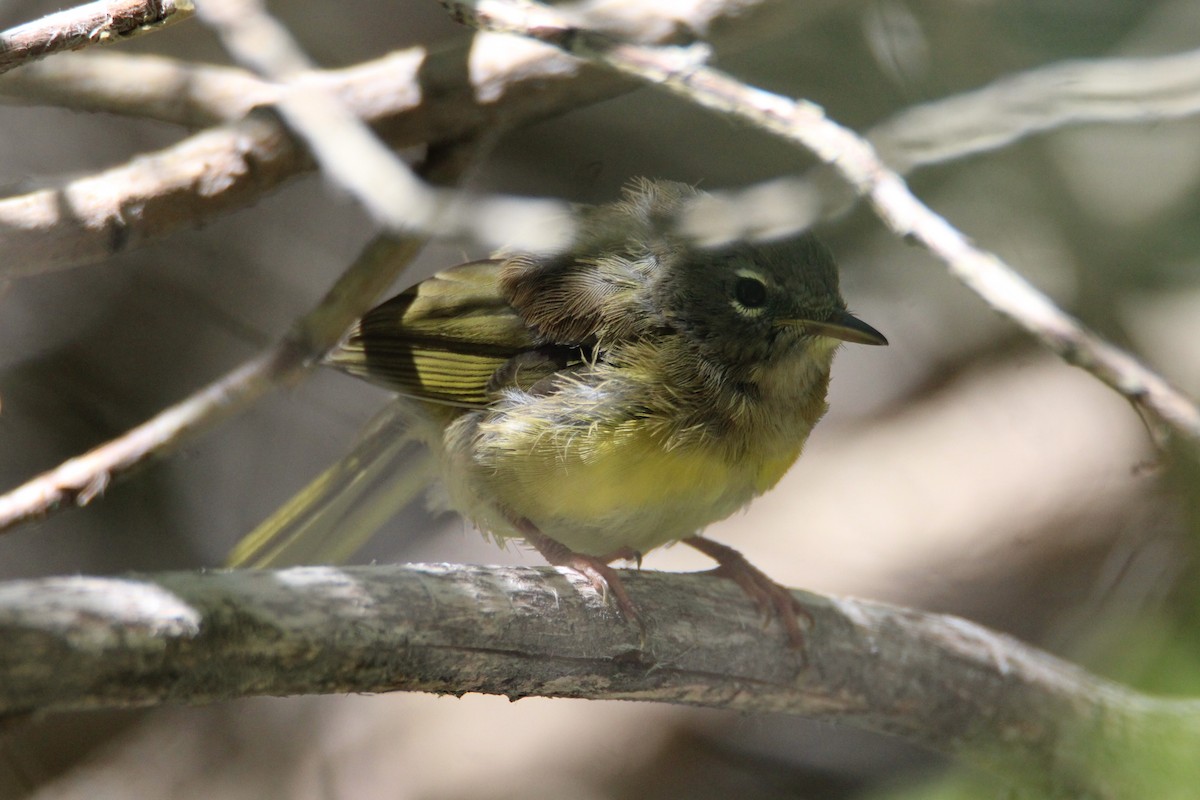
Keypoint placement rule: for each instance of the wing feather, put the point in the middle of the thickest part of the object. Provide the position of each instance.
(441, 340)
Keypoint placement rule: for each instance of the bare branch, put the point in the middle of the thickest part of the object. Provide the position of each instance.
(233, 165)
(388, 90)
(1015, 107)
(1040, 100)
(159, 88)
(941, 682)
(92, 218)
(1111, 90)
(353, 157)
(94, 23)
(229, 167)
(804, 123)
(347, 152)
(411, 97)
(80, 480)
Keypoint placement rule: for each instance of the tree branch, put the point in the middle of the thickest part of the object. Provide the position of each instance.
(937, 681)
(231, 166)
(1012, 108)
(680, 70)
(80, 480)
(165, 89)
(351, 156)
(93, 23)
(412, 97)
(1105, 90)
(155, 194)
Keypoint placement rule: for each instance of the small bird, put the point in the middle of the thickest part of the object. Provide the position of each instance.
(620, 396)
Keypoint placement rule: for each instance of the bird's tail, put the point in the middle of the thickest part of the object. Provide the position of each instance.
(343, 507)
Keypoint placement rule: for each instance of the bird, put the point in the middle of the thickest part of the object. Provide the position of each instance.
(621, 395)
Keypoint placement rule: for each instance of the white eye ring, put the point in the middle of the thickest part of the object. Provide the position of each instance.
(749, 293)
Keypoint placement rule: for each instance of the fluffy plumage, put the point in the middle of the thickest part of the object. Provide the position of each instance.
(624, 394)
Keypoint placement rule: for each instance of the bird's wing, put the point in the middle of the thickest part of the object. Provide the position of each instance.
(442, 340)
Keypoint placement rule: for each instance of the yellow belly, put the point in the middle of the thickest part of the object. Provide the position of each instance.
(604, 489)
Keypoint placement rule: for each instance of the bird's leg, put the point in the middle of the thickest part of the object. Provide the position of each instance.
(767, 595)
(595, 568)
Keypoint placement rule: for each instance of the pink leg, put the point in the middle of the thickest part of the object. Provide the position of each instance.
(595, 568)
(767, 595)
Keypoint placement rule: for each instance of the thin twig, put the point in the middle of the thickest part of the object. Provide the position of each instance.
(81, 642)
(804, 123)
(352, 156)
(1012, 108)
(1105, 90)
(94, 23)
(80, 480)
(346, 151)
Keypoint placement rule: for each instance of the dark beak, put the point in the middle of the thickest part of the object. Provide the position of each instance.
(845, 326)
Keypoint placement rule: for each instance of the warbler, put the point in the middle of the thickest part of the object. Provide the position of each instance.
(622, 395)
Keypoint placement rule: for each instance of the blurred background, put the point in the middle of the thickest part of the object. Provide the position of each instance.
(960, 470)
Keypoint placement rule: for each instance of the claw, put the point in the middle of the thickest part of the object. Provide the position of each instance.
(623, 554)
(769, 597)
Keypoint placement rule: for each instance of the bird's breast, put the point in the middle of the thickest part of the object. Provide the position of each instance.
(603, 488)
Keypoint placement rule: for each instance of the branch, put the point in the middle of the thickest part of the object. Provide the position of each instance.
(1015, 107)
(411, 97)
(164, 89)
(155, 194)
(1111, 90)
(940, 682)
(80, 480)
(93, 23)
(1105, 90)
(1012, 108)
(351, 156)
(805, 124)
(232, 166)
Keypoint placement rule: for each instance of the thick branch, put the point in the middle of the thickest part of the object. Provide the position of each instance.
(93, 23)
(941, 682)
(92, 218)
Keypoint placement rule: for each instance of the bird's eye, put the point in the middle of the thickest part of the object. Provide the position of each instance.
(750, 292)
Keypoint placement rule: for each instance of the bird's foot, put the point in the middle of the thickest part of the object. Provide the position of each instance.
(604, 579)
(769, 597)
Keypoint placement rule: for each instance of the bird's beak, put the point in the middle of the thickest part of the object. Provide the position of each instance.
(842, 325)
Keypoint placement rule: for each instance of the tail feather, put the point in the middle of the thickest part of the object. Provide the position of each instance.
(337, 513)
